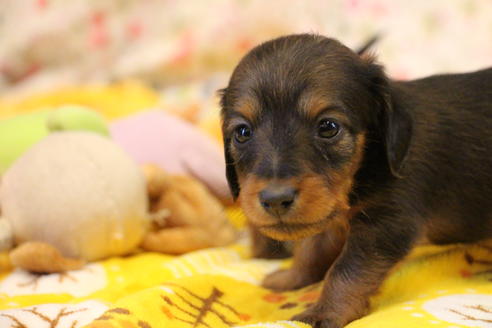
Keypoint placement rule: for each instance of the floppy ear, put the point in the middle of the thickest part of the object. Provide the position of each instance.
(231, 174)
(394, 122)
(398, 134)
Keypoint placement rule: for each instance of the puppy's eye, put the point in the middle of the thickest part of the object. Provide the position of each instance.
(328, 128)
(242, 133)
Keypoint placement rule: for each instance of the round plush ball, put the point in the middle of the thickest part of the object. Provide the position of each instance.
(80, 193)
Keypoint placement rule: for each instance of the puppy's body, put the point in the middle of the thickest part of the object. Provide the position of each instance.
(446, 180)
(322, 147)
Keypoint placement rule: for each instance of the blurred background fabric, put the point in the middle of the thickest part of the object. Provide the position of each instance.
(177, 47)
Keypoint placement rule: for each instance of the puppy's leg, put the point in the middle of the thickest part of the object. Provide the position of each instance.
(312, 258)
(267, 248)
(373, 247)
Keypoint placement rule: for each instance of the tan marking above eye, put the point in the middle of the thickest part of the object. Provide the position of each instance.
(313, 105)
(247, 107)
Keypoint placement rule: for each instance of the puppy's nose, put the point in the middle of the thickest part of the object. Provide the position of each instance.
(277, 200)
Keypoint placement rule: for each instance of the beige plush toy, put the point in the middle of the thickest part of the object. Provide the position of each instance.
(76, 197)
(71, 198)
(186, 215)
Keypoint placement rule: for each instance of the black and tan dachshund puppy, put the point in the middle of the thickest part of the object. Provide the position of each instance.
(322, 147)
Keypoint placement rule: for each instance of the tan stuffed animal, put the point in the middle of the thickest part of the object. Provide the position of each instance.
(186, 215)
(58, 230)
(72, 198)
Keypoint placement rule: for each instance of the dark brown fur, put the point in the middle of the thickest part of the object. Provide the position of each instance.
(412, 160)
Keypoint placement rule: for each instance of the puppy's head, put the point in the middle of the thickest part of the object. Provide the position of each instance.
(296, 117)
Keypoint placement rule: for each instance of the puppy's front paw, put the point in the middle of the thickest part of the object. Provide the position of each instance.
(317, 318)
(282, 280)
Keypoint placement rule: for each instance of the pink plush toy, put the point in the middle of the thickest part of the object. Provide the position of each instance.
(175, 145)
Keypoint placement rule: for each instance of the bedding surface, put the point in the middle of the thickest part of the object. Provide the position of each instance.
(441, 287)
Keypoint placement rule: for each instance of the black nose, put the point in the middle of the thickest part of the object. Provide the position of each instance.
(277, 200)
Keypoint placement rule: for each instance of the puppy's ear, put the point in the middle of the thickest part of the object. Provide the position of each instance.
(231, 174)
(398, 134)
(393, 121)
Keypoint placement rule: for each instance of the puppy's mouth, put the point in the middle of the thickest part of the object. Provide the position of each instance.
(294, 231)
(293, 209)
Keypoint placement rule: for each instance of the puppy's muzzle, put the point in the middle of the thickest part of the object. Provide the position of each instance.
(277, 199)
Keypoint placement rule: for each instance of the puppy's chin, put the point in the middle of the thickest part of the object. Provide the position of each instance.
(299, 229)
(285, 232)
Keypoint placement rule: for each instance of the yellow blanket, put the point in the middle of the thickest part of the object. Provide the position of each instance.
(442, 287)
(435, 287)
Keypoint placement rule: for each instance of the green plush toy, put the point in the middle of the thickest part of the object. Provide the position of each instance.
(19, 133)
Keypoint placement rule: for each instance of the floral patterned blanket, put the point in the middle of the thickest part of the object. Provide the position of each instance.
(439, 287)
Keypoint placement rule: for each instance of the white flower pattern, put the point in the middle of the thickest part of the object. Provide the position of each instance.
(77, 283)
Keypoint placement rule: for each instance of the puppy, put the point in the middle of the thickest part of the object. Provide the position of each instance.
(322, 147)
